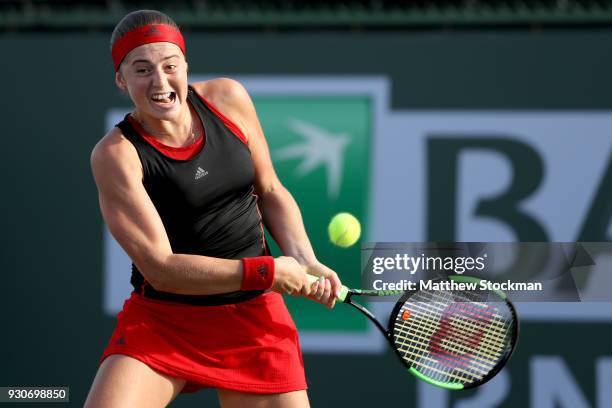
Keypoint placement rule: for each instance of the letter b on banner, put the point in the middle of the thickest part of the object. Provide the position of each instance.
(442, 167)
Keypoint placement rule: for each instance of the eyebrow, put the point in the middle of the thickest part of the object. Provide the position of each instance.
(149, 62)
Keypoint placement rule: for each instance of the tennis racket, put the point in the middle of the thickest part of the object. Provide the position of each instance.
(454, 339)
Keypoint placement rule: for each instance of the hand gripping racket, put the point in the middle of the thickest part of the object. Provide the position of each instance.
(454, 339)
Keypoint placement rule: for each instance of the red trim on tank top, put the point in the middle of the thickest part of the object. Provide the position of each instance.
(226, 121)
(261, 227)
(177, 153)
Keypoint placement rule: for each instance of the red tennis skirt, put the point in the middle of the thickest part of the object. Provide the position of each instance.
(250, 347)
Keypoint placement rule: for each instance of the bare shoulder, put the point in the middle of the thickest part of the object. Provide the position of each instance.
(114, 154)
(222, 92)
(231, 99)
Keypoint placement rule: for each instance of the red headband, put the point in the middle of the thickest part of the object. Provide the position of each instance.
(145, 35)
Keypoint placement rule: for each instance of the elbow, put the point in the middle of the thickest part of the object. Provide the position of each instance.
(270, 190)
(156, 282)
(152, 271)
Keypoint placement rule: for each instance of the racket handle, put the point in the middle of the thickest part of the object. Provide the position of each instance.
(343, 290)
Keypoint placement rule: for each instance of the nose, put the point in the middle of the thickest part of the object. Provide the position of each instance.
(160, 78)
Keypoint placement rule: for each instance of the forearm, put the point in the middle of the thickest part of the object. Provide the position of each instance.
(283, 219)
(199, 275)
(196, 275)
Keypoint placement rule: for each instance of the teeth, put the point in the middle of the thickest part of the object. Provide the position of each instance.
(160, 96)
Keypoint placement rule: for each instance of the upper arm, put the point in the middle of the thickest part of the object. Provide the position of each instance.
(126, 207)
(232, 99)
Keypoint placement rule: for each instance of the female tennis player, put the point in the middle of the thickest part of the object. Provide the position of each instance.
(185, 185)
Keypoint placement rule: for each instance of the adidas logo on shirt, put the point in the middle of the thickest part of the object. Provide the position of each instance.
(200, 172)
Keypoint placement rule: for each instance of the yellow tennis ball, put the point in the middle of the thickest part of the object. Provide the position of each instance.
(344, 230)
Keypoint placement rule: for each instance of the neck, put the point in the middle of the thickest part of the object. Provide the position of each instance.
(175, 133)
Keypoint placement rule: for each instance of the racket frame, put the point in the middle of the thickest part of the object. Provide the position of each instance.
(388, 332)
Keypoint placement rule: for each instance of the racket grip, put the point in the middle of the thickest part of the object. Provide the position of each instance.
(343, 290)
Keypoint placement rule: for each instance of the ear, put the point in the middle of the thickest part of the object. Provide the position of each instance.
(120, 81)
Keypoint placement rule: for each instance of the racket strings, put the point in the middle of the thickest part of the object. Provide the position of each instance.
(498, 328)
(461, 327)
(419, 354)
(468, 372)
(420, 344)
(462, 376)
(489, 321)
(410, 334)
(453, 336)
(464, 352)
(475, 366)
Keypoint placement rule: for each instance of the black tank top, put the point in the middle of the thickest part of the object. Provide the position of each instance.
(206, 203)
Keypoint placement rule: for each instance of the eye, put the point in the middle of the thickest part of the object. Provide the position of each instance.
(142, 70)
(171, 67)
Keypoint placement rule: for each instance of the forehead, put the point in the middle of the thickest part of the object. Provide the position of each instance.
(153, 52)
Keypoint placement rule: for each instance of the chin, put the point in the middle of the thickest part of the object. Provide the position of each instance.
(165, 113)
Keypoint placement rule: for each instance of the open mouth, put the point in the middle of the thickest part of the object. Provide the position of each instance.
(164, 97)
